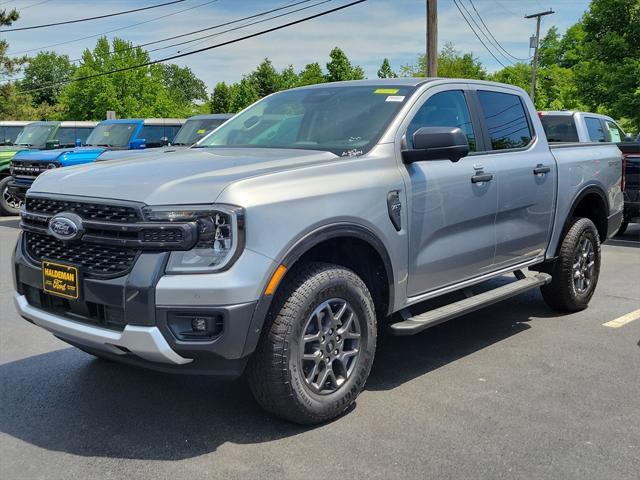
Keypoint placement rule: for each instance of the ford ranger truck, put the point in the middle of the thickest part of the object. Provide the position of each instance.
(568, 126)
(193, 130)
(107, 135)
(35, 136)
(277, 246)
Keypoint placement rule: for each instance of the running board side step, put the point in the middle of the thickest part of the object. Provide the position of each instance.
(413, 325)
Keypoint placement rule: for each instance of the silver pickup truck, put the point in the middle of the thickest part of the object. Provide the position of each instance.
(279, 244)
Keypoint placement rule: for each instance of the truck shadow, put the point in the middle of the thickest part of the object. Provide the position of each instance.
(67, 401)
(630, 238)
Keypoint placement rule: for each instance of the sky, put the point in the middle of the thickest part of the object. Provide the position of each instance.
(367, 32)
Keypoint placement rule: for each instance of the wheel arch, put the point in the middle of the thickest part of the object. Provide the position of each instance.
(591, 203)
(318, 245)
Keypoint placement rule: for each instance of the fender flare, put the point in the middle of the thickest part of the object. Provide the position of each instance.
(302, 246)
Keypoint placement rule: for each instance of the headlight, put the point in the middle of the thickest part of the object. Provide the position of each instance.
(220, 236)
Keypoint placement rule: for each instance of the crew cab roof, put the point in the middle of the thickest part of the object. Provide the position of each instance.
(14, 123)
(212, 116)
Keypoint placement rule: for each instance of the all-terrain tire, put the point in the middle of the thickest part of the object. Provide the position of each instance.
(6, 205)
(275, 373)
(562, 293)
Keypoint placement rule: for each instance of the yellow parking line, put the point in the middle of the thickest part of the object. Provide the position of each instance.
(623, 320)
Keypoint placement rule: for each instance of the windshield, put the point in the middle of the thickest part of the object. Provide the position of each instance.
(559, 128)
(37, 135)
(9, 134)
(194, 130)
(112, 135)
(344, 120)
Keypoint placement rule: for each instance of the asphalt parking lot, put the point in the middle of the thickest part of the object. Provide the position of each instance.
(511, 391)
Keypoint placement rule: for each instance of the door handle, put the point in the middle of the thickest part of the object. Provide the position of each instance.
(541, 169)
(482, 177)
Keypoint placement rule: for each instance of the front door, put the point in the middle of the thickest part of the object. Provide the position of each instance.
(451, 231)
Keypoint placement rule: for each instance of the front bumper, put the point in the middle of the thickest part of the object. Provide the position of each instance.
(128, 318)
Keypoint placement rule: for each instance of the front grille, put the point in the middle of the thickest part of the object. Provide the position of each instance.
(87, 210)
(91, 258)
(30, 169)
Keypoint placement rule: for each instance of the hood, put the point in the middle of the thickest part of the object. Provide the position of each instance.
(120, 154)
(7, 153)
(61, 154)
(194, 175)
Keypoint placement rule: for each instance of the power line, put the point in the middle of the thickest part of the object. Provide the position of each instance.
(479, 29)
(181, 55)
(288, 5)
(494, 38)
(91, 18)
(260, 14)
(203, 39)
(155, 19)
(476, 34)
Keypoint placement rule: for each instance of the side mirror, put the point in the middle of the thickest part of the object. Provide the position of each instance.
(164, 141)
(7, 141)
(50, 144)
(78, 142)
(437, 143)
(137, 144)
(628, 137)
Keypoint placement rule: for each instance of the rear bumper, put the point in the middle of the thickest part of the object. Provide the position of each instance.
(632, 205)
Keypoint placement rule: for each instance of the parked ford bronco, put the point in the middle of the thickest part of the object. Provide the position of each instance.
(108, 135)
(279, 244)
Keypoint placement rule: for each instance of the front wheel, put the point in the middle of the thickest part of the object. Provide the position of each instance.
(9, 203)
(318, 346)
(576, 271)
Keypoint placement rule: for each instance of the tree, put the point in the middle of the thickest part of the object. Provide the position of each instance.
(139, 92)
(608, 75)
(182, 84)
(339, 68)
(221, 98)
(518, 74)
(244, 95)
(385, 70)
(451, 64)
(44, 69)
(265, 79)
(311, 75)
(289, 78)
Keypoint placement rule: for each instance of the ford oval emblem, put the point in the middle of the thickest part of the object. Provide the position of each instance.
(66, 226)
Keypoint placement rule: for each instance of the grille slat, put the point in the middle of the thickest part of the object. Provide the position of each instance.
(91, 258)
(88, 211)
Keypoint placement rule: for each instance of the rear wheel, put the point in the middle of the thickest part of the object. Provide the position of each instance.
(315, 355)
(9, 203)
(576, 271)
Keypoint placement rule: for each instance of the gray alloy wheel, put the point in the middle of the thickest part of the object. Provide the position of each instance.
(583, 265)
(329, 347)
(9, 203)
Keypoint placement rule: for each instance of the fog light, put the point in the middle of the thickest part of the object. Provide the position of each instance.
(199, 324)
(195, 326)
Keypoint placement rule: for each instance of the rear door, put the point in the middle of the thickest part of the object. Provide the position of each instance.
(451, 218)
(525, 172)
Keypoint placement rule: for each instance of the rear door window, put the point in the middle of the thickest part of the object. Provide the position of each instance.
(444, 109)
(152, 135)
(560, 128)
(506, 119)
(595, 129)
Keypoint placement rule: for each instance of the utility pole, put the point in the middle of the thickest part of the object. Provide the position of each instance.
(432, 38)
(534, 67)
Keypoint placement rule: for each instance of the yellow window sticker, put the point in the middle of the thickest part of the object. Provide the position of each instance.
(202, 131)
(386, 91)
(106, 134)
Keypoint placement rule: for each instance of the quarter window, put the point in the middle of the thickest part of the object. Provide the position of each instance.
(444, 109)
(506, 120)
(595, 130)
